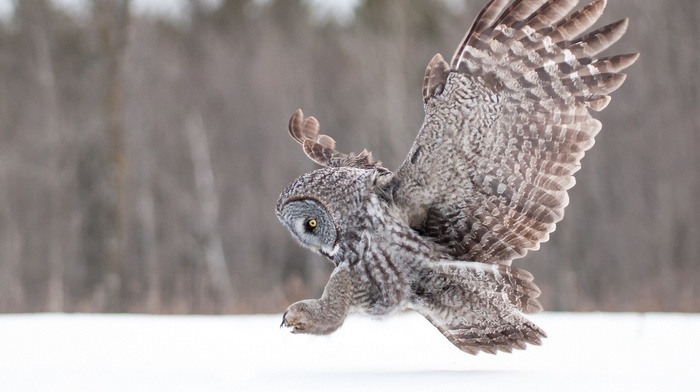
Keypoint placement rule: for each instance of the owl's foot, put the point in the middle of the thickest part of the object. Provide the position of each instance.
(312, 316)
(295, 325)
(298, 318)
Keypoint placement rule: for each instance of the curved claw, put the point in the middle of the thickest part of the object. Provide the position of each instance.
(284, 316)
(295, 319)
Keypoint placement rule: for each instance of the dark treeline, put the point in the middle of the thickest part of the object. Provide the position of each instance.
(141, 158)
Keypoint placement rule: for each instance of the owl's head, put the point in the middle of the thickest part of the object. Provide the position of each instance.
(315, 206)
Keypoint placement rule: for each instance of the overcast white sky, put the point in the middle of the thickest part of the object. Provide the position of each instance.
(340, 8)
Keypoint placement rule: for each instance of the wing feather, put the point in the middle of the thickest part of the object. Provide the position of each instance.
(321, 148)
(507, 126)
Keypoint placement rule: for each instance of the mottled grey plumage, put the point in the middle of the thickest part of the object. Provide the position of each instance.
(486, 180)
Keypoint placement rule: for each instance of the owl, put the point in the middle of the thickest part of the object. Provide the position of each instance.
(506, 124)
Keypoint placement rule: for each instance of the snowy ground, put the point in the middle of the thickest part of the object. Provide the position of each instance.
(584, 352)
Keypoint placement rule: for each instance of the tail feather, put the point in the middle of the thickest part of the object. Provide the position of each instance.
(508, 336)
(478, 307)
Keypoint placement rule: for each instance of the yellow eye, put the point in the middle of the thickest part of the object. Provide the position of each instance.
(311, 223)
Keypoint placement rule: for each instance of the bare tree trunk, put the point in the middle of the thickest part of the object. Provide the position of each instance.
(145, 207)
(113, 19)
(145, 216)
(53, 151)
(208, 200)
(209, 208)
(12, 296)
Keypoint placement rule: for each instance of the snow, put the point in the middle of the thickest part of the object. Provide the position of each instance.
(584, 352)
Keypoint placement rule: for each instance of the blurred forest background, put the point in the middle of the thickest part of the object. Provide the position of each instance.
(141, 156)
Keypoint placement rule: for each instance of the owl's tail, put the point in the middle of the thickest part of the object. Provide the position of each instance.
(477, 306)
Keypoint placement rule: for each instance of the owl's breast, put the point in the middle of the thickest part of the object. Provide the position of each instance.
(383, 253)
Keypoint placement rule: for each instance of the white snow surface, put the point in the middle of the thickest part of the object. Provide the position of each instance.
(584, 352)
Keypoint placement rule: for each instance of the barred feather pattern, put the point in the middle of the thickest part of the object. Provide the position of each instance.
(320, 148)
(486, 180)
(478, 307)
(504, 136)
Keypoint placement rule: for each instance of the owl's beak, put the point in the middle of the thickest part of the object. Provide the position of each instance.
(321, 251)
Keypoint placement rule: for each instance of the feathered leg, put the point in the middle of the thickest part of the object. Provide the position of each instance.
(325, 315)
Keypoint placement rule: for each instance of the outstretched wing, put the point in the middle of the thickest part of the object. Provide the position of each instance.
(321, 148)
(506, 126)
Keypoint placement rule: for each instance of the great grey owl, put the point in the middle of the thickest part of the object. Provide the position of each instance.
(506, 125)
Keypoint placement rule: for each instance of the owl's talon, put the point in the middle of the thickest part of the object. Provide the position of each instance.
(284, 316)
(296, 318)
(289, 322)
